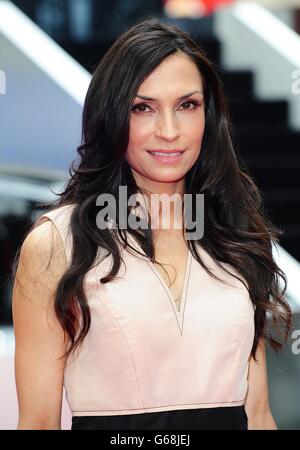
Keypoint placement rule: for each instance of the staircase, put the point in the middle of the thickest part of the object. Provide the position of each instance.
(271, 151)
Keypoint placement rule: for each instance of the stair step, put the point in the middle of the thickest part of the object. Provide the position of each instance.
(263, 129)
(282, 195)
(277, 140)
(237, 84)
(259, 111)
(273, 161)
(269, 149)
(283, 212)
(275, 177)
(282, 205)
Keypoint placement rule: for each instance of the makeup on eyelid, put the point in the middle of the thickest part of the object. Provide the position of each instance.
(192, 102)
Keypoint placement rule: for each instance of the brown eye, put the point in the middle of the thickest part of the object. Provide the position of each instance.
(139, 106)
(190, 102)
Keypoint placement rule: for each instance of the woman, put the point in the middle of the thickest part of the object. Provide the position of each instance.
(177, 339)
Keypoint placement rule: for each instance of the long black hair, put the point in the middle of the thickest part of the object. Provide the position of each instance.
(237, 229)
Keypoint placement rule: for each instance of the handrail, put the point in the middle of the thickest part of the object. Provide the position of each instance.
(255, 39)
(42, 50)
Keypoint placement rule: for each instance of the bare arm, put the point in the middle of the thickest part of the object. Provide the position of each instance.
(257, 400)
(38, 335)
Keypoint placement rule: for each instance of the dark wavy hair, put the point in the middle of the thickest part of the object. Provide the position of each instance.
(237, 229)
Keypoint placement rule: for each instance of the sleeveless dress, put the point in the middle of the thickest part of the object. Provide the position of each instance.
(146, 365)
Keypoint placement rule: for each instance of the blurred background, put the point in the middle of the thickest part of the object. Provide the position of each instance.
(48, 50)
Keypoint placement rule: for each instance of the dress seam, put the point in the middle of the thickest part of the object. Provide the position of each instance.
(229, 374)
(128, 350)
(163, 406)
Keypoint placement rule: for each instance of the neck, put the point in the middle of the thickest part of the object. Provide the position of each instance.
(166, 213)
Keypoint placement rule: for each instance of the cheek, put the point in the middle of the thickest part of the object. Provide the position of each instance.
(194, 128)
(137, 142)
(138, 131)
(196, 132)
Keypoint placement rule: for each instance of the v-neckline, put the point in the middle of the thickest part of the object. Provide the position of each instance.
(179, 314)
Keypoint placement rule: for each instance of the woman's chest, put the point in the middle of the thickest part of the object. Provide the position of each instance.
(172, 257)
(139, 298)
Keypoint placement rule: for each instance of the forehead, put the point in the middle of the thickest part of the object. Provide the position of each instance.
(176, 74)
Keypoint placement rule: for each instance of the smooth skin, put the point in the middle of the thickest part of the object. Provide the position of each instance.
(257, 401)
(168, 123)
(38, 335)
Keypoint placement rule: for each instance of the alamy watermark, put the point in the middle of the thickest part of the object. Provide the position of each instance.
(165, 211)
(295, 88)
(296, 344)
(2, 83)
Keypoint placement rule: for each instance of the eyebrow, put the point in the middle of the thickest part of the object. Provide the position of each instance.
(179, 98)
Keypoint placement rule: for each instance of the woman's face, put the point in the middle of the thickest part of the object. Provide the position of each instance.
(172, 120)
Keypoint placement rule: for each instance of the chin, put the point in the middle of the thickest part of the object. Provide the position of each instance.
(169, 180)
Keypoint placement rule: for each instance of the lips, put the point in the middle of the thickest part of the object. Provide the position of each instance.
(166, 157)
(176, 150)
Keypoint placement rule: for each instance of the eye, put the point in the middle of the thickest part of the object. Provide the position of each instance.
(191, 102)
(138, 106)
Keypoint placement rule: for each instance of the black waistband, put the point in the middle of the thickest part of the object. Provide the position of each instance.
(225, 418)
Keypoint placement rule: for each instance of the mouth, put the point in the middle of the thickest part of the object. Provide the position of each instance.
(169, 157)
(161, 152)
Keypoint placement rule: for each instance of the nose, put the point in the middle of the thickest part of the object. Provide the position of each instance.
(167, 126)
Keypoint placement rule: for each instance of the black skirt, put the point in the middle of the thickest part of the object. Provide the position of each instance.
(225, 418)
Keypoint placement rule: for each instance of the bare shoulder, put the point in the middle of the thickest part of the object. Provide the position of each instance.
(42, 261)
(43, 239)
